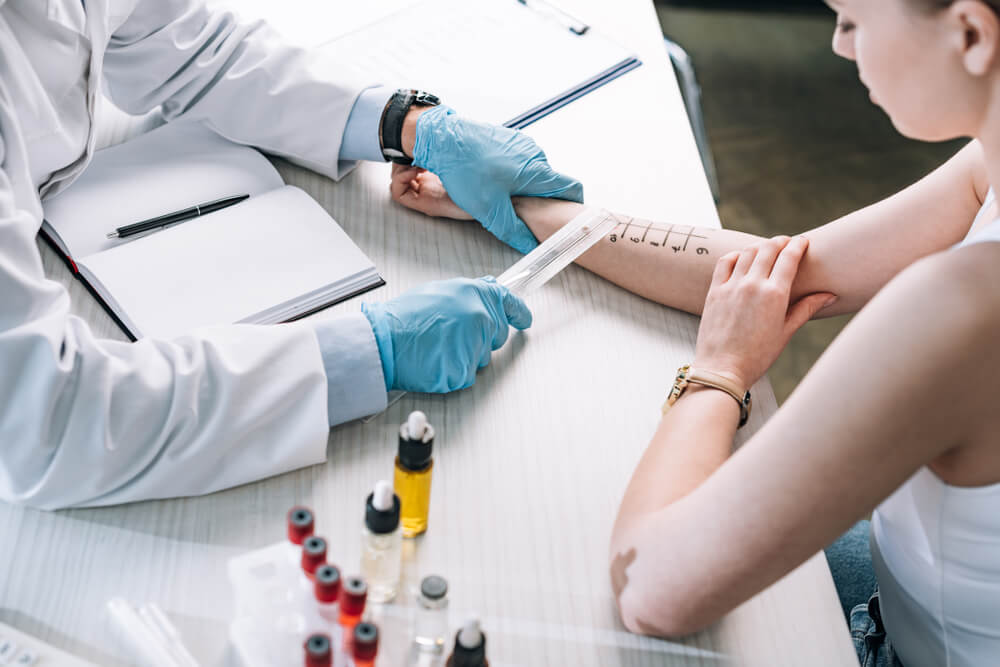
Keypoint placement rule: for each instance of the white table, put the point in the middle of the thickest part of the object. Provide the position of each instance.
(530, 462)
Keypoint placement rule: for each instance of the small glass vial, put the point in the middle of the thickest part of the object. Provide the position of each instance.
(382, 543)
(299, 522)
(299, 527)
(431, 624)
(327, 592)
(364, 646)
(318, 651)
(353, 595)
(313, 555)
(414, 466)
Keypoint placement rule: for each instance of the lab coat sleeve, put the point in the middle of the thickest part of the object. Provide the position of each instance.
(355, 381)
(239, 78)
(361, 136)
(85, 421)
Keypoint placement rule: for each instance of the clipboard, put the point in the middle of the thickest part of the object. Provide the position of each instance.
(507, 62)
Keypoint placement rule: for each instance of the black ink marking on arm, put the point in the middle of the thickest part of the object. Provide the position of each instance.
(667, 236)
(689, 235)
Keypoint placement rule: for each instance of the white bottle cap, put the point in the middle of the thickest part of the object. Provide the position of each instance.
(382, 496)
(416, 425)
(470, 636)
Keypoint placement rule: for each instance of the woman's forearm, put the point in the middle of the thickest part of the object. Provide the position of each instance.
(669, 264)
(693, 440)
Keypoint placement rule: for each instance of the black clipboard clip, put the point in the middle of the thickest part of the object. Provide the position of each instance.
(575, 26)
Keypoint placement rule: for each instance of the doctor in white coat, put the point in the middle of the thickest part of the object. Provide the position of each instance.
(86, 421)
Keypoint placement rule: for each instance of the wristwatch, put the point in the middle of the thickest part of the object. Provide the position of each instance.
(687, 375)
(390, 127)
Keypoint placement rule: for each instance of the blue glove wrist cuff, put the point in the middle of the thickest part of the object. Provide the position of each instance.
(383, 338)
(422, 154)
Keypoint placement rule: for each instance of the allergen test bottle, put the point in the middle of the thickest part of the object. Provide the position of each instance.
(299, 523)
(299, 527)
(318, 651)
(470, 647)
(381, 543)
(431, 623)
(413, 472)
(353, 594)
(364, 646)
(313, 555)
(327, 591)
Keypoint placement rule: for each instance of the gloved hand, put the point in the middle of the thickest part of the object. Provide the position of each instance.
(482, 166)
(434, 338)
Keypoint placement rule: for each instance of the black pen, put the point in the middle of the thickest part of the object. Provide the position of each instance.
(177, 216)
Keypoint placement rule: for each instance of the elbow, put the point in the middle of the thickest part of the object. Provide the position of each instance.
(660, 617)
(653, 603)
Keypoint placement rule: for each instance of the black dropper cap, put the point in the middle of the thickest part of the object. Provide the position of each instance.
(378, 521)
(415, 451)
(469, 656)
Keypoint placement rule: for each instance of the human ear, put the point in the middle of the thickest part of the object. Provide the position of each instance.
(977, 31)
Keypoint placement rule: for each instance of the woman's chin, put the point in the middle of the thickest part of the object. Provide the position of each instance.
(921, 131)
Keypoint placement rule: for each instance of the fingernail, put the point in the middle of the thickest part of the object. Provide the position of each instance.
(832, 300)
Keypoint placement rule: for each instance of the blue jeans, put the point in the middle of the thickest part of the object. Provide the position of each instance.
(851, 566)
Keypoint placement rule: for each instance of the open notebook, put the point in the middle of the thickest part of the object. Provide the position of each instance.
(274, 257)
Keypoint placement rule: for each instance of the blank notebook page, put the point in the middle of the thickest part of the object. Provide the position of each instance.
(228, 266)
(175, 166)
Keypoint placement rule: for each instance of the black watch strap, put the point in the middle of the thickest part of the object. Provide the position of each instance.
(391, 125)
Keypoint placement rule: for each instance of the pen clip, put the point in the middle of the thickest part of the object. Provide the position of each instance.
(575, 25)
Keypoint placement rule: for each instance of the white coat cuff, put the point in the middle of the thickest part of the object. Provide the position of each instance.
(361, 136)
(356, 385)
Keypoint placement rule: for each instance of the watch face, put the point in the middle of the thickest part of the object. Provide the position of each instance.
(426, 99)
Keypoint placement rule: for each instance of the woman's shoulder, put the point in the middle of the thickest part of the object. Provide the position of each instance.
(944, 311)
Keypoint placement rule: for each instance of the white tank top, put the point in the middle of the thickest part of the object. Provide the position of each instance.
(936, 553)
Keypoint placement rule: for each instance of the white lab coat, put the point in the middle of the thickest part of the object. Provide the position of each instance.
(85, 421)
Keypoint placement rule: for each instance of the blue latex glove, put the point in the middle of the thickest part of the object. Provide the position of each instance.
(433, 338)
(483, 166)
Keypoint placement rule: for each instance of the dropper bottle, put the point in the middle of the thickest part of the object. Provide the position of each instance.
(470, 647)
(413, 472)
(381, 543)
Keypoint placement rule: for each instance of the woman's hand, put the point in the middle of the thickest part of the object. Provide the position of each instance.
(747, 319)
(422, 191)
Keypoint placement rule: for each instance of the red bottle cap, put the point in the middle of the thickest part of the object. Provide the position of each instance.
(365, 645)
(353, 594)
(319, 652)
(300, 524)
(327, 586)
(313, 554)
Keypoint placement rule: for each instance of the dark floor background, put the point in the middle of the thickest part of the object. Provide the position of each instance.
(795, 138)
